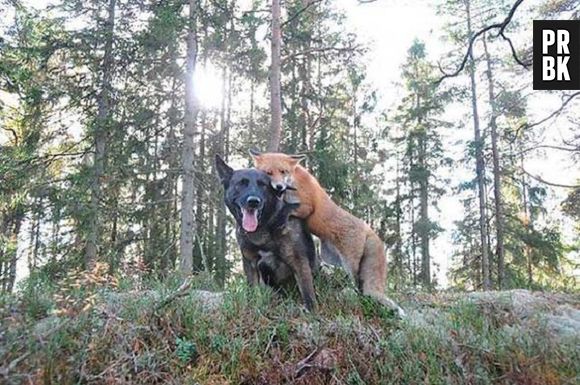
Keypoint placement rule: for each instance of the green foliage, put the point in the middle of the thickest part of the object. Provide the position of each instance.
(36, 295)
(571, 205)
(185, 350)
(373, 310)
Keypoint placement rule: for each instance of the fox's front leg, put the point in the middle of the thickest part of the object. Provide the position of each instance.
(304, 210)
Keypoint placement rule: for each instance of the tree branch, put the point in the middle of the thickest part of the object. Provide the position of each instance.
(550, 146)
(541, 180)
(553, 114)
(501, 26)
(514, 53)
(315, 50)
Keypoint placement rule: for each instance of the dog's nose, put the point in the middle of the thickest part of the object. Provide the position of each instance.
(279, 187)
(253, 202)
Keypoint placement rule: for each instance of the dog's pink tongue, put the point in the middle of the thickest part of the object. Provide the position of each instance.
(249, 220)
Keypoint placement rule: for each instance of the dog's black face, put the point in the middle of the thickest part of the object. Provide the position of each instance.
(248, 194)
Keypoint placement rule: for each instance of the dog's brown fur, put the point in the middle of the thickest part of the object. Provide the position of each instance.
(359, 248)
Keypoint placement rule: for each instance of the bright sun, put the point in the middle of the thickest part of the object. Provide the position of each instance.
(207, 82)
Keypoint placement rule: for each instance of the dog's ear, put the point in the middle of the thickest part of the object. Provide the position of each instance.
(224, 171)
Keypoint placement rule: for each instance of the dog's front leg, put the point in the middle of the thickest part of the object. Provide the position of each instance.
(303, 275)
(251, 270)
(306, 285)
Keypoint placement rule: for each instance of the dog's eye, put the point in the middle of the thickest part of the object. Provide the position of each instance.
(244, 182)
(283, 172)
(261, 183)
(269, 172)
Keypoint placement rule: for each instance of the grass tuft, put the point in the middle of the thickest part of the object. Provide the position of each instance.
(257, 336)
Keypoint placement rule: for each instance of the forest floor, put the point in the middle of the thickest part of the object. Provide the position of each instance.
(95, 330)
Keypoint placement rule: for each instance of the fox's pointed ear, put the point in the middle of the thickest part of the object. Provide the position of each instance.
(225, 172)
(298, 157)
(254, 153)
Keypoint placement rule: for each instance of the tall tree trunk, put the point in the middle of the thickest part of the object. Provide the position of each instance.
(10, 248)
(355, 149)
(200, 213)
(528, 222)
(479, 163)
(220, 255)
(3, 246)
(13, 256)
(499, 220)
(100, 141)
(4, 251)
(55, 231)
(275, 68)
(252, 96)
(304, 91)
(294, 92)
(319, 121)
(398, 212)
(305, 71)
(34, 235)
(171, 213)
(413, 222)
(414, 242)
(423, 200)
(187, 197)
(424, 215)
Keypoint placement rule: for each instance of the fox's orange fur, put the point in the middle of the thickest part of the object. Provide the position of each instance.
(360, 249)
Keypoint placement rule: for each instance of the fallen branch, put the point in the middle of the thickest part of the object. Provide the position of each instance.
(5, 370)
(180, 292)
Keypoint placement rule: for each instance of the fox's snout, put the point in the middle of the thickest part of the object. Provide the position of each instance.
(279, 187)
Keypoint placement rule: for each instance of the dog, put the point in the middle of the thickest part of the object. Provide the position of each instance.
(275, 246)
(345, 239)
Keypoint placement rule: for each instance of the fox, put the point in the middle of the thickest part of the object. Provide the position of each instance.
(345, 239)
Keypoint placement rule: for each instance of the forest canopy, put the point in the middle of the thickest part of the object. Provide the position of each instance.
(111, 113)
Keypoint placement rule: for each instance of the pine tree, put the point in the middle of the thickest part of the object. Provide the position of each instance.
(187, 197)
(418, 115)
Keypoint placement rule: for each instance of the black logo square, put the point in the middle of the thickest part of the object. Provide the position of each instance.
(556, 55)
